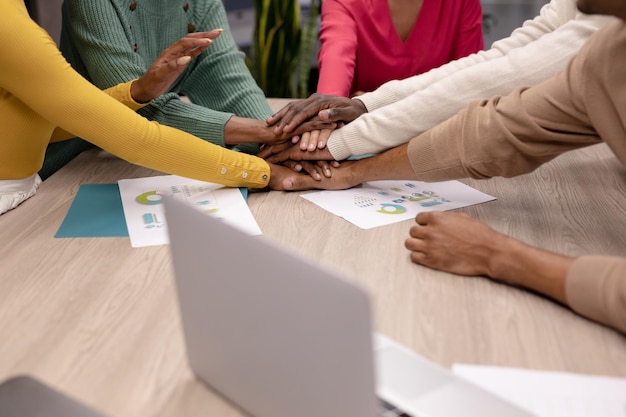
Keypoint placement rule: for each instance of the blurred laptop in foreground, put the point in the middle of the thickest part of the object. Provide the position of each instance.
(280, 336)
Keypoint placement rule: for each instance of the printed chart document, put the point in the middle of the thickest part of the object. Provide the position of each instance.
(551, 394)
(379, 203)
(144, 213)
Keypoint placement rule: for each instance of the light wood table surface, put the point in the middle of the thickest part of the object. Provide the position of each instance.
(98, 319)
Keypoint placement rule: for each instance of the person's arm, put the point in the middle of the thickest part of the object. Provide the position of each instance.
(498, 137)
(551, 17)
(338, 46)
(158, 78)
(503, 136)
(35, 73)
(107, 56)
(457, 243)
(391, 165)
(515, 134)
(401, 110)
(120, 92)
(512, 135)
(594, 287)
(430, 105)
(221, 81)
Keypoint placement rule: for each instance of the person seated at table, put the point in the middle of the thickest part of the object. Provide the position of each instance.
(508, 136)
(113, 41)
(400, 110)
(43, 99)
(365, 43)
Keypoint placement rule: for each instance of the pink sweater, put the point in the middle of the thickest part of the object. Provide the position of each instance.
(360, 48)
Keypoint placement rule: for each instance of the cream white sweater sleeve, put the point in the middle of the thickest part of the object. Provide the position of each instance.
(401, 110)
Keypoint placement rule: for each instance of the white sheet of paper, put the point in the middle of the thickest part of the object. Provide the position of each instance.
(551, 394)
(144, 213)
(379, 203)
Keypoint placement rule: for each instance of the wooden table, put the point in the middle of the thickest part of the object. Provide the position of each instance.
(98, 319)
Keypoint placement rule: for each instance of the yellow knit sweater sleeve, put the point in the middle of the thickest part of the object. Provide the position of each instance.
(120, 92)
(39, 92)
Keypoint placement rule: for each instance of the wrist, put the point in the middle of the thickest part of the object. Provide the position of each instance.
(502, 258)
(533, 268)
(243, 130)
(138, 93)
(361, 108)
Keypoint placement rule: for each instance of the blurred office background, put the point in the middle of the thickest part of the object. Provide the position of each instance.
(500, 18)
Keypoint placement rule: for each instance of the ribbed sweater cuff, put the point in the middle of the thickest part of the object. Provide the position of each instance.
(121, 93)
(376, 99)
(344, 143)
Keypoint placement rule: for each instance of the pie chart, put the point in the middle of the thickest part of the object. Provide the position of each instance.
(149, 198)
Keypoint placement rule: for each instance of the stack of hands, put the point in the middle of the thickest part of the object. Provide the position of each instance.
(294, 144)
(309, 123)
(293, 139)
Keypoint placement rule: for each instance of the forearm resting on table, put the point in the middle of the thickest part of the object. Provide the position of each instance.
(530, 267)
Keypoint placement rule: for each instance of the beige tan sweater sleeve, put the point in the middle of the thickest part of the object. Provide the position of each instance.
(515, 134)
(512, 135)
(596, 288)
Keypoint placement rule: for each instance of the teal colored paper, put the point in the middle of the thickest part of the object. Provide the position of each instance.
(95, 212)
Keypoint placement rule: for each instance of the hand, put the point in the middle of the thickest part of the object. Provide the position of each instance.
(315, 139)
(453, 242)
(283, 178)
(170, 64)
(314, 169)
(280, 153)
(459, 244)
(327, 108)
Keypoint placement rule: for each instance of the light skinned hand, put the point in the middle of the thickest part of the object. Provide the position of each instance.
(326, 107)
(315, 139)
(315, 131)
(170, 64)
(453, 242)
(314, 168)
(277, 154)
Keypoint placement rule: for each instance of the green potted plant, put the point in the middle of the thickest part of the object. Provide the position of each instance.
(281, 48)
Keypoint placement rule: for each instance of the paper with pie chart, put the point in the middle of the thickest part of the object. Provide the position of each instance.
(145, 215)
(379, 203)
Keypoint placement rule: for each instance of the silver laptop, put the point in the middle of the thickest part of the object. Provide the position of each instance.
(26, 396)
(281, 336)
